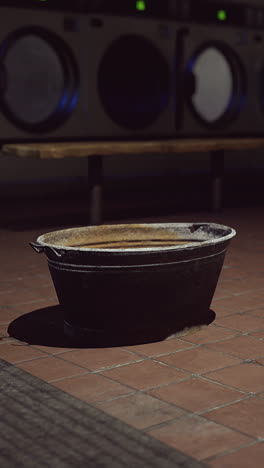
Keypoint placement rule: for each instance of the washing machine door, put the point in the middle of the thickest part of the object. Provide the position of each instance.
(133, 82)
(215, 84)
(38, 80)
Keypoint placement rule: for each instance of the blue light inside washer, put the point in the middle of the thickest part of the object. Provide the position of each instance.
(74, 101)
(62, 102)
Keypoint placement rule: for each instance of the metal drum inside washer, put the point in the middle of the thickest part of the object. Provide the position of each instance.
(218, 87)
(134, 83)
(39, 79)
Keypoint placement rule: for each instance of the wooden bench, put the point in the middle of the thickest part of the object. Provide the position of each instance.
(94, 151)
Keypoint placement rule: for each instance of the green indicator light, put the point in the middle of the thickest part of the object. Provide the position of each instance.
(141, 5)
(221, 15)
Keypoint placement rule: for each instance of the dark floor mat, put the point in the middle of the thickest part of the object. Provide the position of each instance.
(41, 426)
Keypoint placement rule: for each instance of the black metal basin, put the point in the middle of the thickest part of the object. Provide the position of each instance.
(135, 282)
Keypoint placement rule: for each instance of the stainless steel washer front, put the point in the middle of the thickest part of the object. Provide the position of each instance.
(40, 79)
(219, 81)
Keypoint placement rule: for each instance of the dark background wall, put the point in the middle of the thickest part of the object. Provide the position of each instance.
(149, 183)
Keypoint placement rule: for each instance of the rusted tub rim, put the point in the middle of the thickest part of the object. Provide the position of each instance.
(209, 242)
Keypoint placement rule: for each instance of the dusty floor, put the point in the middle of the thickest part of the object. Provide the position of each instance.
(201, 393)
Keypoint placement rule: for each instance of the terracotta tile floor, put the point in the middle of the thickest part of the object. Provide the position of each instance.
(202, 393)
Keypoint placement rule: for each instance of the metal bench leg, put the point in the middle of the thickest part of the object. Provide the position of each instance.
(217, 173)
(95, 167)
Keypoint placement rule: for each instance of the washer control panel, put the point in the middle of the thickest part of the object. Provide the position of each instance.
(198, 11)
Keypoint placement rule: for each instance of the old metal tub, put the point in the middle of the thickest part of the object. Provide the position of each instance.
(135, 282)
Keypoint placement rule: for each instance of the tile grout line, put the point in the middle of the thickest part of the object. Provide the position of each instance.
(204, 377)
(97, 371)
(217, 341)
(233, 355)
(228, 452)
(191, 376)
(190, 415)
(200, 413)
(208, 410)
(101, 370)
(165, 354)
(154, 359)
(197, 374)
(238, 332)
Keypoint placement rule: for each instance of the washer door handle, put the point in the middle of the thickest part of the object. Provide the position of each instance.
(190, 82)
(3, 79)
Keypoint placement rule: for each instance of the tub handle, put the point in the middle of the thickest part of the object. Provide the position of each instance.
(37, 247)
(42, 248)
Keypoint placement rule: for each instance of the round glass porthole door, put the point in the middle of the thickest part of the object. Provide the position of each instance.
(41, 80)
(218, 86)
(133, 82)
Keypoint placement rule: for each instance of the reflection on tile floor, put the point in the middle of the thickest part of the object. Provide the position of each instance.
(202, 393)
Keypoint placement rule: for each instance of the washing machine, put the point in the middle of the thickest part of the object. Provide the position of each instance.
(130, 70)
(76, 72)
(220, 75)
